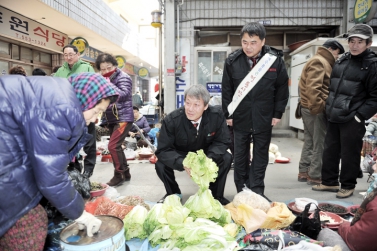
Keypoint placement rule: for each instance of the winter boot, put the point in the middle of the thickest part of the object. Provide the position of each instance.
(127, 175)
(117, 180)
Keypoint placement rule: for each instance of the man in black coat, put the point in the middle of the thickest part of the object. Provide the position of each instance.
(192, 127)
(259, 109)
(352, 100)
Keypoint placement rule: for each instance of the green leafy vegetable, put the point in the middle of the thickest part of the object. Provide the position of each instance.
(133, 223)
(203, 169)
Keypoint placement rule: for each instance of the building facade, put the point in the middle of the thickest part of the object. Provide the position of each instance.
(33, 33)
(208, 31)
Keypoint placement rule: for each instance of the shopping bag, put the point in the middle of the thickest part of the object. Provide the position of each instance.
(298, 114)
(305, 225)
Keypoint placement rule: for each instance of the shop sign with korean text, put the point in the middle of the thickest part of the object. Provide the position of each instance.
(121, 61)
(18, 27)
(364, 10)
(91, 54)
(143, 72)
(129, 69)
(81, 44)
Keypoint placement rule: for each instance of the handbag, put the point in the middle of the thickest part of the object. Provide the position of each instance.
(298, 114)
(305, 225)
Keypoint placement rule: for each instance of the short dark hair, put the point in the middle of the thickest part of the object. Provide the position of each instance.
(333, 44)
(367, 41)
(71, 46)
(38, 72)
(254, 29)
(105, 58)
(135, 108)
(17, 70)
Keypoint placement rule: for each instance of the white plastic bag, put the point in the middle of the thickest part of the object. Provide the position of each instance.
(130, 154)
(367, 164)
(111, 193)
(300, 204)
(252, 199)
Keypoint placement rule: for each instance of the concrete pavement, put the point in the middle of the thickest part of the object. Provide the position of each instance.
(281, 179)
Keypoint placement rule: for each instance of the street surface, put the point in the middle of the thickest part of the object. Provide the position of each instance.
(281, 179)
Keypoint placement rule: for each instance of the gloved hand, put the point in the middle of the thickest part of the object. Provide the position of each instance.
(89, 221)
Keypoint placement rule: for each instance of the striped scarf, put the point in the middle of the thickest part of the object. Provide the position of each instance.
(91, 88)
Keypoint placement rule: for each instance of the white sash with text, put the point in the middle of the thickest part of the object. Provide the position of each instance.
(251, 80)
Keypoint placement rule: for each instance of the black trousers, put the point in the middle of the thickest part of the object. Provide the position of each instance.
(252, 175)
(343, 141)
(91, 150)
(166, 175)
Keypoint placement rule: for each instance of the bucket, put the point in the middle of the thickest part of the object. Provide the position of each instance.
(109, 237)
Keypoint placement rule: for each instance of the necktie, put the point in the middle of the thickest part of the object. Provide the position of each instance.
(254, 60)
(195, 125)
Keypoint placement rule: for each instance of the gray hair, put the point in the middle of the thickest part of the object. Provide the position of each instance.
(198, 92)
(254, 29)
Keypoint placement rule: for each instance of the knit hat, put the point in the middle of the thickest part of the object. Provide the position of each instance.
(91, 88)
(363, 31)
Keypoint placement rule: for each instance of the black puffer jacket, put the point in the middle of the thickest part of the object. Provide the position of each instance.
(353, 88)
(265, 101)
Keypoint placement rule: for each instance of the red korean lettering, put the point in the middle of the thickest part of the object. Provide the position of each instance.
(60, 39)
(39, 32)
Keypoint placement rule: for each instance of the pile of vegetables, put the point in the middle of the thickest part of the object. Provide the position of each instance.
(201, 224)
(168, 225)
(94, 186)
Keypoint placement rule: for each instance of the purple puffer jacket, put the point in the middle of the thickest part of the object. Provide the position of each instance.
(122, 110)
(42, 128)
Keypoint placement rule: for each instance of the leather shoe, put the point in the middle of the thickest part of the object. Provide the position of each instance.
(302, 177)
(313, 181)
(223, 201)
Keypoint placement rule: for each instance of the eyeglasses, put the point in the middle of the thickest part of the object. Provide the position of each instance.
(69, 55)
(107, 69)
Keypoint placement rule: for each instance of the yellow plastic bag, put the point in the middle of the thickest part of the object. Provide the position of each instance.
(278, 216)
(248, 217)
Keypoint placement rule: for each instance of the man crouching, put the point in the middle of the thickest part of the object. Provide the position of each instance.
(190, 128)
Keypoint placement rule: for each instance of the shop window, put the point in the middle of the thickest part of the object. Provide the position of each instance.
(204, 67)
(218, 65)
(4, 48)
(4, 67)
(45, 58)
(15, 52)
(210, 64)
(36, 56)
(26, 54)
